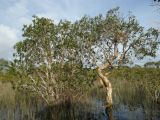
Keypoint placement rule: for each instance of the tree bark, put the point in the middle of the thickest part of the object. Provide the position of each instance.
(108, 87)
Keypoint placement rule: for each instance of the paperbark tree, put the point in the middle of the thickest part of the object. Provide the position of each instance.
(47, 59)
(34, 56)
(121, 39)
(113, 41)
(45, 46)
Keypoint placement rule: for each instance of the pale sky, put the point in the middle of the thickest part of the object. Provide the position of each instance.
(15, 13)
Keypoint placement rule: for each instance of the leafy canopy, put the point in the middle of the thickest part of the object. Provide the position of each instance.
(58, 54)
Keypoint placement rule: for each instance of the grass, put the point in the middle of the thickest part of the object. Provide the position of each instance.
(132, 88)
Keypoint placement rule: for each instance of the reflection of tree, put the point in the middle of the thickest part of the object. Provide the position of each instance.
(68, 110)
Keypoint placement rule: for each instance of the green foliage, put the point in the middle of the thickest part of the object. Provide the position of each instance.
(4, 64)
(53, 56)
(152, 64)
(149, 77)
(7, 71)
(113, 37)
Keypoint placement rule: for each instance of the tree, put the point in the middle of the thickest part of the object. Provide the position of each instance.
(34, 57)
(150, 65)
(110, 40)
(4, 64)
(47, 59)
(157, 64)
(113, 41)
(156, 0)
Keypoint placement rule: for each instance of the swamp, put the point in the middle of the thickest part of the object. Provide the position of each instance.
(79, 60)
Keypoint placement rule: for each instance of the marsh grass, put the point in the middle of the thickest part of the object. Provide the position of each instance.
(7, 94)
(134, 99)
(23, 106)
(137, 98)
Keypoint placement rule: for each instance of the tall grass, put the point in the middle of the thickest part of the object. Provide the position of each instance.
(133, 95)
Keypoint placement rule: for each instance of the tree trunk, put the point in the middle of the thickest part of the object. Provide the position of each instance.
(109, 113)
(108, 87)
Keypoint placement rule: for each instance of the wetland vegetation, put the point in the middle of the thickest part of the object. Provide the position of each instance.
(135, 98)
(80, 71)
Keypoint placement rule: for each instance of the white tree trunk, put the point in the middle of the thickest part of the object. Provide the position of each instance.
(108, 87)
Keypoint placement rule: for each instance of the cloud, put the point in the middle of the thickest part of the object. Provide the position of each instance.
(18, 9)
(15, 13)
(8, 37)
(68, 9)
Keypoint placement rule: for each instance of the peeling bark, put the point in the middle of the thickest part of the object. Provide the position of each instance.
(107, 84)
(108, 87)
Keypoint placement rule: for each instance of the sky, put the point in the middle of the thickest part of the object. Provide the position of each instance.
(15, 13)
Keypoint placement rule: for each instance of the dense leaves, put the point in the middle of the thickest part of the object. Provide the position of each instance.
(145, 77)
(65, 55)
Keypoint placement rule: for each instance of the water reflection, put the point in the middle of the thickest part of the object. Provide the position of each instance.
(74, 111)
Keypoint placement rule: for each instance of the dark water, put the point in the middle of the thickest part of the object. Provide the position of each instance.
(20, 106)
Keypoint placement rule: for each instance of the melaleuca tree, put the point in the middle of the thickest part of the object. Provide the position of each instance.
(113, 41)
(54, 53)
(35, 56)
(47, 59)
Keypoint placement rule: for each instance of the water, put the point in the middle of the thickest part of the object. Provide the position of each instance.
(20, 106)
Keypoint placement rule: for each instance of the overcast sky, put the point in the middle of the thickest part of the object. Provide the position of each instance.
(15, 13)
